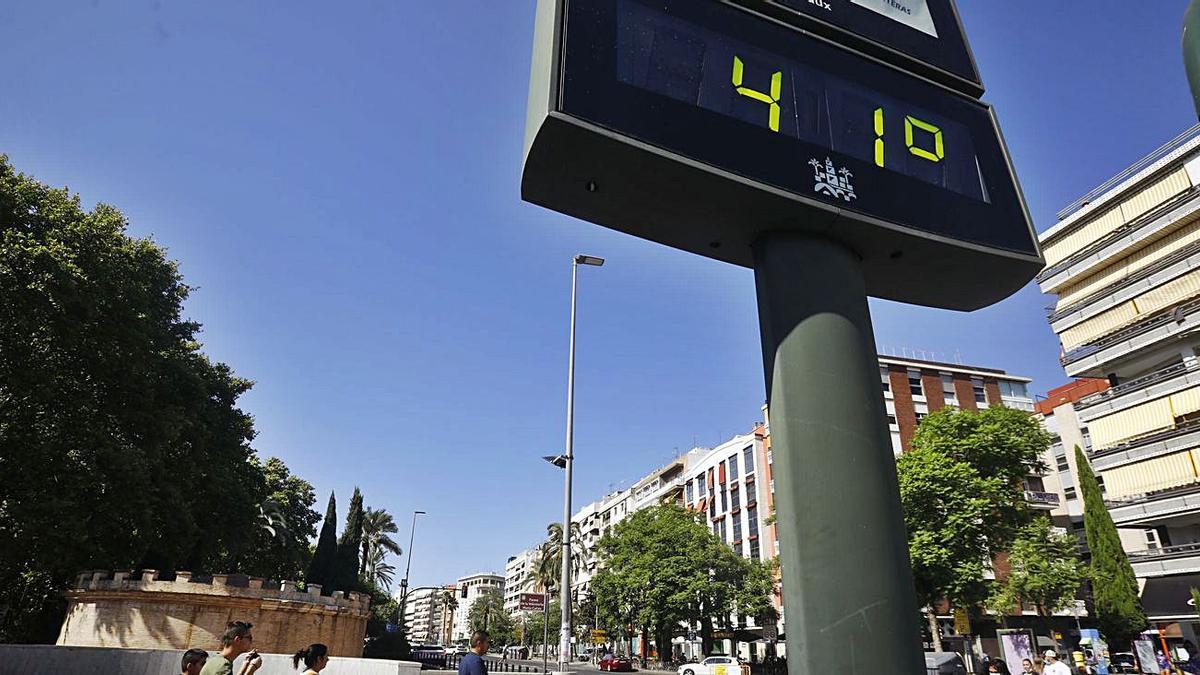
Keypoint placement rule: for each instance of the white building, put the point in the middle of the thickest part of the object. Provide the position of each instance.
(469, 589)
(423, 615)
(519, 578)
(1124, 263)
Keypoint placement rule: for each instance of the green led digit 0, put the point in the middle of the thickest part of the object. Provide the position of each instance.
(879, 137)
(939, 147)
(771, 99)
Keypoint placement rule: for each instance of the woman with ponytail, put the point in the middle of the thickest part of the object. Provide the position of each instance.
(314, 656)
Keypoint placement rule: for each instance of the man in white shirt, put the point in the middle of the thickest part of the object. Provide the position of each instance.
(1053, 665)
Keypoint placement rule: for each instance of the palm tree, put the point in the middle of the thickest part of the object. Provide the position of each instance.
(449, 604)
(379, 572)
(377, 525)
(579, 552)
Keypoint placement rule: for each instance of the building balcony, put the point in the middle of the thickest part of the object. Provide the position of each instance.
(1091, 359)
(1161, 220)
(1156, 505)
(1178, 264)
(1104, 197)
(1042, 501)
(1182, 437)
(1165, 561)
(1169, 380)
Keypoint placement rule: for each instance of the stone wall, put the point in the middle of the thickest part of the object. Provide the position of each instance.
(113, 610)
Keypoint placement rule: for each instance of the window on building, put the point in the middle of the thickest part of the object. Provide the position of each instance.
(688, 490)
(737, 528)
(1100, 482)
(701, 486)
(885, 380)
(733, 474)
(1152, 541)
(754, 549)
(735, 501)
(1069, 492)
(752, 520)
(948, 392)
(712, 507)
(920, 416)
(722, 526)
(748, 460)
(724, 499)
(977, 388)
(914, 383)
(1061, 462)
(892, 420)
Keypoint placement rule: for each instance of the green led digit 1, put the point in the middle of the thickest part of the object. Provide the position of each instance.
(939, 148)
(879, 137)
(771, 99)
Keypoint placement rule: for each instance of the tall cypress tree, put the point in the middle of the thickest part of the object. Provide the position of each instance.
(1119, 612)
(346, 576)
(324, 560)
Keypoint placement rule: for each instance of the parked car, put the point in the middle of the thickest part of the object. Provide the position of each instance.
(1123, 662)
(459, 650)
(616, 664)
(516, 652)
(715, 665)
(945, 663)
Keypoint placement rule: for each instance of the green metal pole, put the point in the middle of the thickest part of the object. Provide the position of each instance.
(848, 593)
(1191, 50)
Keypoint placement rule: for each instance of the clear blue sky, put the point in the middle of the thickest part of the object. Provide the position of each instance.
(340, 183)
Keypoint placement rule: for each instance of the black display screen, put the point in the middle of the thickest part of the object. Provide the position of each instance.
(926, 30)
(740, 92)
(675, 57)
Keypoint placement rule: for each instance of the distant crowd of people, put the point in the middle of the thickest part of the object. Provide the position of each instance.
(238, 639)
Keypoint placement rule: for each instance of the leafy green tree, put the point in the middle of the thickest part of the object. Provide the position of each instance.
(662, 569)
(346, 569)
(323, 567)
(1119, 612)
(1044, 571)
(288, 523)
(121, 443)
(961, 491)
(487, 613)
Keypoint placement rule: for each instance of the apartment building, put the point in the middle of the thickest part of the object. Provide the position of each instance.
(468, 590)
(913, 388)
(1124, 263)
(1058, 415)
(423, 615)
(519, 577)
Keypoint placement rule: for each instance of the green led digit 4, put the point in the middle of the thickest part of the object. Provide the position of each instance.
(771, 99)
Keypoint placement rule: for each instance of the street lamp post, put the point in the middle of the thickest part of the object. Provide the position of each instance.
(408, 566)
(564, 645)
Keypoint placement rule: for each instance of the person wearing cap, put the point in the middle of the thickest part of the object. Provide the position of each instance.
(1053, 665)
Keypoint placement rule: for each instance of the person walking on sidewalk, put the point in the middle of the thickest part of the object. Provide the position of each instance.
(473, 663)
(235, 641)
(314, 656)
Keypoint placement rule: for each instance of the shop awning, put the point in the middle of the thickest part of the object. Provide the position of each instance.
(1167, 598)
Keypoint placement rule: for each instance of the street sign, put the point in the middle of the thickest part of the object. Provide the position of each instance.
(599, 637)
(532, 602)
(923, 36)
(722, 635)
(701, 125)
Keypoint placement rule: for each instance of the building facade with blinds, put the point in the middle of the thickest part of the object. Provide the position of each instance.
(1124, 263)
